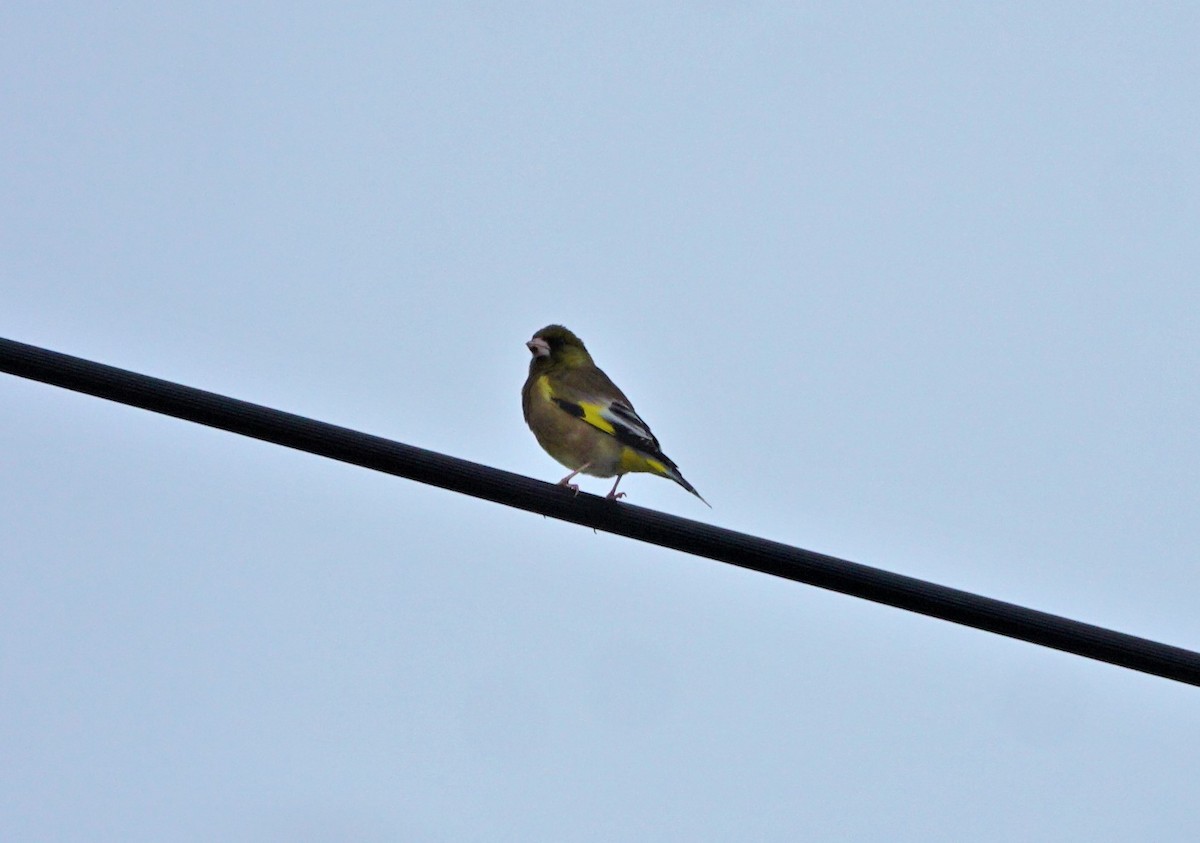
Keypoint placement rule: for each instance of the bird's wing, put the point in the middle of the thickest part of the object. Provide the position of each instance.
(596, 400)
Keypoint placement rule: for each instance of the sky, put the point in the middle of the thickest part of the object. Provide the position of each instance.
(908, 284)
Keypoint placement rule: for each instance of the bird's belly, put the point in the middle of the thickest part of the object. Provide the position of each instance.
(582, 444)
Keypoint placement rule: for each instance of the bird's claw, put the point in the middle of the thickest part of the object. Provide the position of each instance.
(614, 496)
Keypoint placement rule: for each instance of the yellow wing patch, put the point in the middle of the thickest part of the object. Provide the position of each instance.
(590, 413)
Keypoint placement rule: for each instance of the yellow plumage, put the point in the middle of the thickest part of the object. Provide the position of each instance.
(582, 419)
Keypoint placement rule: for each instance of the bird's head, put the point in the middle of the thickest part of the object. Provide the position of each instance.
(555, 347)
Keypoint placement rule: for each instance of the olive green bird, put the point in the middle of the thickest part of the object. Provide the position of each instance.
(583, 420)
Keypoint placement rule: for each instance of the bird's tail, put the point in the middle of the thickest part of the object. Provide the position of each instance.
(674, 474)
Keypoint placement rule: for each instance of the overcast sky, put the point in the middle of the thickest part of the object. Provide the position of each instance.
(912, 287)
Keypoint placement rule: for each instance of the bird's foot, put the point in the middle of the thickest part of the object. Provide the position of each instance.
(566, 481)
(614, 496)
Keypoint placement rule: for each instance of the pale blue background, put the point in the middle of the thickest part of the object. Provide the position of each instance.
(916, 287)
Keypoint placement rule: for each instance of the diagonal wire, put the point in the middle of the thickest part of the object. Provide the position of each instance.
(623, 519)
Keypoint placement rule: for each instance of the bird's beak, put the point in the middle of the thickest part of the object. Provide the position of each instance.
(538, 347)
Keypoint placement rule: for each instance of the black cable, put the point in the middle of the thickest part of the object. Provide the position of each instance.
(623, 519)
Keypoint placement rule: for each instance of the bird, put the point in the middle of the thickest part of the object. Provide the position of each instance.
(582, 419)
